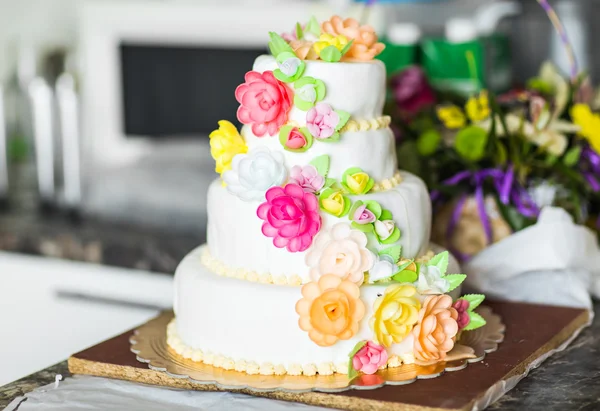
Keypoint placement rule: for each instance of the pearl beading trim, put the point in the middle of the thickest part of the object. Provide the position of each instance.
(293, 280)
(265, 368)
(388, 183)
(366, 125)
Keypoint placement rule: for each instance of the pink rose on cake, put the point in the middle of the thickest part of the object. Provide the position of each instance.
(340, 251)
(264, 102)
(322, 121)
(370, 358)
(291, 217)
(307, 177)
(462, 308)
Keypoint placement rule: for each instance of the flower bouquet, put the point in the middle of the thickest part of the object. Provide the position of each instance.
(494, 163)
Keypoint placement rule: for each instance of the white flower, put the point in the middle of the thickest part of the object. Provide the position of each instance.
(341, 251)
(307, 92)
(252, 174)
(382, 269)
(289, 67)
(384, 229)
(430, 281)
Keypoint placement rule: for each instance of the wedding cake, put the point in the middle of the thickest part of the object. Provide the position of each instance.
(318, 257)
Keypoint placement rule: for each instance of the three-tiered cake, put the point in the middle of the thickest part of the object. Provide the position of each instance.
(318, 257)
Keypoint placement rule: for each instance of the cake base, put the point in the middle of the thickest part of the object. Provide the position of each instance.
(534, 332)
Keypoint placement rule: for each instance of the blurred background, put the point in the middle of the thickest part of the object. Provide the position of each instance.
(105, 111)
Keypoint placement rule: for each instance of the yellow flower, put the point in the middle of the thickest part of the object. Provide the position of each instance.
(326, 40)
(357, 182)
(226, 143)
(395, 314)
(452, 117)
(589, 122)
(334, 203)
(478, 108)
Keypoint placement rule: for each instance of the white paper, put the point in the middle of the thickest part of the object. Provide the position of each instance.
(553, 262)
(84, 393)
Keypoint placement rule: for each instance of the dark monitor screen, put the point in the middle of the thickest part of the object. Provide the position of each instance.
(180, 91)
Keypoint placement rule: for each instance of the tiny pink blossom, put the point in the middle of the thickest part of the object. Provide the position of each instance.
(363, 216)
(291, 217)
(321, 120)
(462, 307)
(295, 139)
(370, 358)
(307, 177)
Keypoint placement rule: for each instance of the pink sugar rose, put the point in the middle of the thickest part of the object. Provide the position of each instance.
(307, 177)
(291, 217)
(363, 216)
(321, 120)
(462, 306)
(295, 139)
(370, 358)
(264, 102)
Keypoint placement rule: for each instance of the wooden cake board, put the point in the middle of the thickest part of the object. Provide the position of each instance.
(532, 331)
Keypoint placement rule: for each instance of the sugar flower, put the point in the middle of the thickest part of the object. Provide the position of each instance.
(254, 173)
(322, 120)
(362, 215)
(264, 102)
(436, 330)
(356, 181)
(291, 217)
(462, 308)
(340, 251)
(295, 139)
(307, 177)
(225, 144)
(334, 202)
(383, 268)
(370, 358)
(364, 45)
(330, 310)
(431, 281)
(326, 40)
(395, 313)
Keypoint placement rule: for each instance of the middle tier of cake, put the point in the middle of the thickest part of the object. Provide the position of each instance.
(238, 247)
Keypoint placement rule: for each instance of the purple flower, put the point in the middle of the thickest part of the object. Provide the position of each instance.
(307, 177)
(363, 216)
(321, 120)
(412, 91)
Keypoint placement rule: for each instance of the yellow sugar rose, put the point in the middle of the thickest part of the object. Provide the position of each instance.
(326, 40)
(334, 202)
(395, 314)
(356, 181)
(478, 108)
(226, 143)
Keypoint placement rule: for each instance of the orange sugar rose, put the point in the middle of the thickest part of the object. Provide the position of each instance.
(365, 46)
(436, 330)
(330, 310)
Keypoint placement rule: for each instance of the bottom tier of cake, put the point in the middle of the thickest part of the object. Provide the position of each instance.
(253, 327)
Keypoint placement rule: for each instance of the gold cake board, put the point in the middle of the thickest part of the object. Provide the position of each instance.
(532, 333)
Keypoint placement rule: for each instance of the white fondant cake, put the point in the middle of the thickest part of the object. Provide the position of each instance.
(318, 257)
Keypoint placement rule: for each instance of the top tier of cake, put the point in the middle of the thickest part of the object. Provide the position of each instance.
(358, 88)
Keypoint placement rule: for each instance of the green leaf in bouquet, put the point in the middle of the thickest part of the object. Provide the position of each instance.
(476, 321)
(500, 153)
(428, 142)
(515, 220)
(538, 84)
(470, 143)
(572, 156)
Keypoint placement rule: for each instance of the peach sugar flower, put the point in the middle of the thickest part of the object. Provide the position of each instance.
(330, 310)
(365, 45)
(304, 49)
(436, 330)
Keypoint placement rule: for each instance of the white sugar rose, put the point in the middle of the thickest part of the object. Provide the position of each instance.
(384, 229)
(252, 174)
(431, 282)
(341, 251)
(383, 268)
